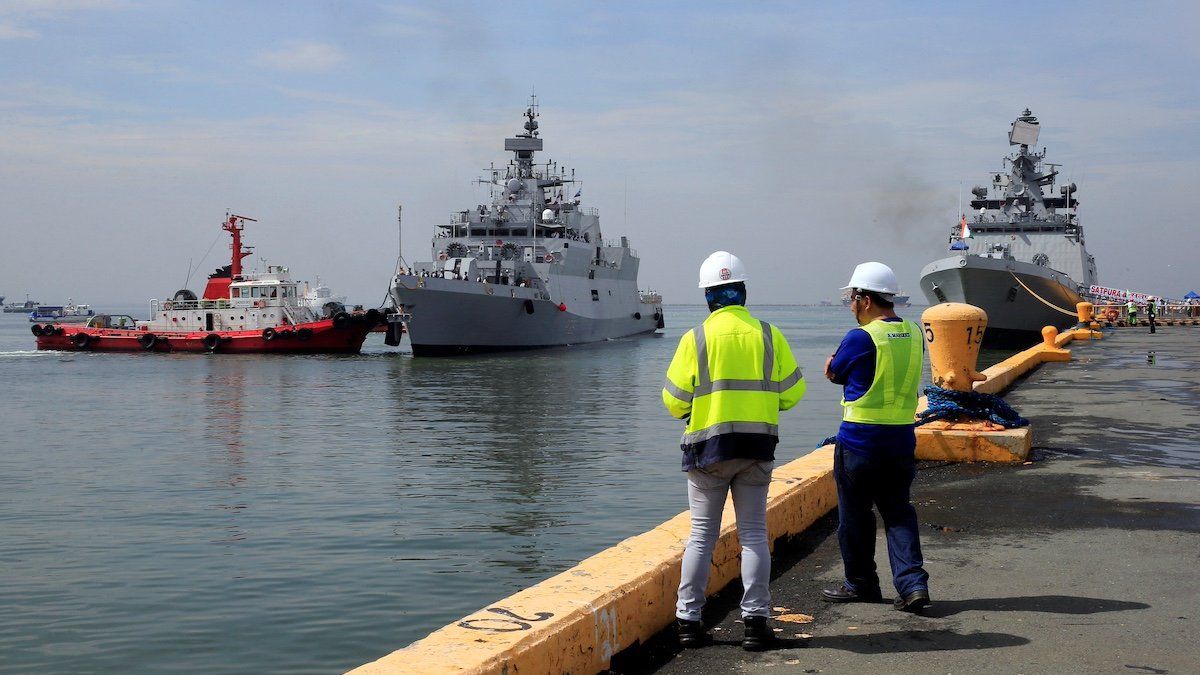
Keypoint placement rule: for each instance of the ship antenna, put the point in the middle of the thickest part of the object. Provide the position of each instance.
(400, 237)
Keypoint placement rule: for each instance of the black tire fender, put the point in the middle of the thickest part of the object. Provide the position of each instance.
(269, 334)
(304, 334)
(341, 320)
(81, 340)
(147, 340)
(211, 341)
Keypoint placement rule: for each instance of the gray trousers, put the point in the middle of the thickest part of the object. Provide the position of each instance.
(748, 480)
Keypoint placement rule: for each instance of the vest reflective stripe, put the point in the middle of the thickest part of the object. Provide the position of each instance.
(892, 396)
(676, 391)
(701, 354)
(737, 385)
(730, 428)
(768, 352)
(706, 386)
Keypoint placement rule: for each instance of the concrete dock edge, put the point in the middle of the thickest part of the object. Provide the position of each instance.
(577, 620)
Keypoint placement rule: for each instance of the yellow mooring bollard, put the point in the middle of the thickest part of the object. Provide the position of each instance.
(1049, 347)
(954, 331)
(1087, 319)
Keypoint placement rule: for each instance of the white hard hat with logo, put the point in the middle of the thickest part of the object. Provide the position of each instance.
(874, 276)
(721, 268)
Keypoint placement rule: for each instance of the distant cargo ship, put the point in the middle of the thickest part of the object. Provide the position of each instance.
(901, 299)
(68, 313)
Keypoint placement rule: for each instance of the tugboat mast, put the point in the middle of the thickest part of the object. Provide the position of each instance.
(234, 224)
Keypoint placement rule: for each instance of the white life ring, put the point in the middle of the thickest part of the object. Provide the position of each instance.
(260, 303)
(549, 257)
(490, 290)
(442, 256)
(167, 304)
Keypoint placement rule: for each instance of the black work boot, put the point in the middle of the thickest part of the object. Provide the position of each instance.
(759, 635)
(691, 633)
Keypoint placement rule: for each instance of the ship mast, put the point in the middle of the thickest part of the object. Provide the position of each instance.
(234, 224)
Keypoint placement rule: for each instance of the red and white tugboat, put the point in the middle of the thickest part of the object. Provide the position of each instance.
(239, 313)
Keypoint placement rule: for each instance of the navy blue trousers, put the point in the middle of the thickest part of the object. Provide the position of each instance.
(883, 482)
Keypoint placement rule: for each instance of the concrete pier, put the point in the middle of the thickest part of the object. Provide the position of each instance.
(1082, 560)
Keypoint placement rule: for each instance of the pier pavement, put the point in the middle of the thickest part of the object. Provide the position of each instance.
(1082, 560)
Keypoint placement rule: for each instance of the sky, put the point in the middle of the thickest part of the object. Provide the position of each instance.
(805, 137)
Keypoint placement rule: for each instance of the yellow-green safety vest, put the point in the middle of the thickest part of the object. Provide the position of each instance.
(892, 397)
(732, 374)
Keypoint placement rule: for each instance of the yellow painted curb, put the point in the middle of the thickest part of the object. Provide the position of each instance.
(576, 621)
(969, 445)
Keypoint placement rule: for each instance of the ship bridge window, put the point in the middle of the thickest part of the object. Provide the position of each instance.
(235, 292)
(255, 292)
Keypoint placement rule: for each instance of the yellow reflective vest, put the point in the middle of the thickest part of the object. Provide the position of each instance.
(892, 397)
(732, 374)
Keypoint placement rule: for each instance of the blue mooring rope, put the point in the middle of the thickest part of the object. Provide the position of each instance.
(945, 403)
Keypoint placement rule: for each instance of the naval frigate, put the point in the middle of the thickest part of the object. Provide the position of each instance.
(1021, 256)
(530, 269)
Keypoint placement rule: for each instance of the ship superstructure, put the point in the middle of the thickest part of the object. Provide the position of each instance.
(1020, 255)
(529, 269)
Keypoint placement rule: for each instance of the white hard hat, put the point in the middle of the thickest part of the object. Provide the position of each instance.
(721, 268)
(874, 276)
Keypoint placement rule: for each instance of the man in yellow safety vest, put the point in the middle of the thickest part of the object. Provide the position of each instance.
(729, 379)
(879, 367)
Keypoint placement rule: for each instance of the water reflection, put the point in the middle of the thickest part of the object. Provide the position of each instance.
(517, 433)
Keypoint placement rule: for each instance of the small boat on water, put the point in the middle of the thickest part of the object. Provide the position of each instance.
(239, 312)
(21, 307)
(68, 313)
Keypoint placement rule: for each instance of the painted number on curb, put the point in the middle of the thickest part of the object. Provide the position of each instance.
(508, 625)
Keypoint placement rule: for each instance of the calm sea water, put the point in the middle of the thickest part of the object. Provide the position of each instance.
(309, 514)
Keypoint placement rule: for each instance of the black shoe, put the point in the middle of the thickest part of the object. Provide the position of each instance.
(691, 633)
(844, 594)
(759, 635)
(913, 602)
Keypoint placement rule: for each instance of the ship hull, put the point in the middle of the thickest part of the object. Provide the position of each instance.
(450, 318)
(323, 338)
(1005, 289)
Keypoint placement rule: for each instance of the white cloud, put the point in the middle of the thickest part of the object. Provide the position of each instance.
(11, 32)
(302, 56)
(14, 14)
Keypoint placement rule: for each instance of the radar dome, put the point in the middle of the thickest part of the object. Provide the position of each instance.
(513, 185)
(547, 215)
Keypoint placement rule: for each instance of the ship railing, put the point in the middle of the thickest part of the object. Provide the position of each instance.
(221, 303)
(1116, 310)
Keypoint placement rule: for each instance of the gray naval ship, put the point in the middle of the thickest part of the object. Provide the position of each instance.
(1021, 256)
(530, 269)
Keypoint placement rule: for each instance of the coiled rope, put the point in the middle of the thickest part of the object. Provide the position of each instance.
(944, 403)
(947, 403)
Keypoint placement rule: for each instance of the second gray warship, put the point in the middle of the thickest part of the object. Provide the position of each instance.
(1021, 257)
(528, 270)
